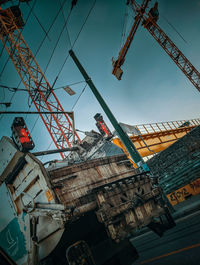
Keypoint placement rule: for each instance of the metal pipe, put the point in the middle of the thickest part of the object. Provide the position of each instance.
(36, 112)
(122, 135)
(50, 206)
(55, 151)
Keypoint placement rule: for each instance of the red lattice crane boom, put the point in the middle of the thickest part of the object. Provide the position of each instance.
(149, 22)
(59, 125)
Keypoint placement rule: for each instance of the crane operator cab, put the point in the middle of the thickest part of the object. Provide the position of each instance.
(153, 12)
(10, 15)
(153, 16)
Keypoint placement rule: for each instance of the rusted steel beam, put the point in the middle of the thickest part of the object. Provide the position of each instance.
(55, 151)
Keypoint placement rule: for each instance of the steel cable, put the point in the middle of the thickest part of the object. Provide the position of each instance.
(74, 43)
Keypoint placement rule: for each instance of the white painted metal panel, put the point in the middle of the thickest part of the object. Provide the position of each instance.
(7, 152)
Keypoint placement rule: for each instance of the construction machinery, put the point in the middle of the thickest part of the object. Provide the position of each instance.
(148, 21)
(47, 211)
(77, 199)
(86, 206)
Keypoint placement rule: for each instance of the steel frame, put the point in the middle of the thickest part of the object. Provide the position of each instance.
(59, 125)
(172, 50)
(165, 42)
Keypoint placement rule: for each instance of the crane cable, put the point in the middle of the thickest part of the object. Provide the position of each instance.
(66, 25)
(61, 7)
(3, 48)
(79, 96)
(124, 25)
(41, 43)
(51, 53)
(14, 89)
(38, 21)
(18, 37)
(9, 57)
(74, 42)
(174, 29)
(56, 44)
(68, 57)
(71, 48)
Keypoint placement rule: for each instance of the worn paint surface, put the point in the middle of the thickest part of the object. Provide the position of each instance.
(13, 241)
(178, 165)
(122, 198)
(73, 183)
(25, 181)
(183, 193)
(108, 186)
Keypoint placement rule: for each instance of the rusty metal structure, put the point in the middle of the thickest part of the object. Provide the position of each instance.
(101, 201)
(78, 208)
(59, 125)
(149, 22)
(111, 188)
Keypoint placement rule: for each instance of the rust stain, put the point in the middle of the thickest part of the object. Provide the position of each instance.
(49, 195)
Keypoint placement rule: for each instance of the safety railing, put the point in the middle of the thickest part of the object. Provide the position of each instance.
(167, 126)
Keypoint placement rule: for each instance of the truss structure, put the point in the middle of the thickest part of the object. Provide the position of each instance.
(159, 35)
(60, 125)
(173, 51)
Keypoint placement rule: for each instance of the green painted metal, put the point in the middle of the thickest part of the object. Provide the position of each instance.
(122, 135)
(12, 240)
(179, 164)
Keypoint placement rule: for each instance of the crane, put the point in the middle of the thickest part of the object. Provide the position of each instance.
(148, 21)
(59, 125)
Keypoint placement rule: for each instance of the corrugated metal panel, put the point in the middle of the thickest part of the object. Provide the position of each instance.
(179, 164)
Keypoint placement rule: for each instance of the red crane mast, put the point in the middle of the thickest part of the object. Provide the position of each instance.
(60, 125)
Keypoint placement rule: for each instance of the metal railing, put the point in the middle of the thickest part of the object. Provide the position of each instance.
(166, 126)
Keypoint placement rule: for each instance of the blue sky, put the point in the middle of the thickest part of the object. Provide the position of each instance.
(152, 88)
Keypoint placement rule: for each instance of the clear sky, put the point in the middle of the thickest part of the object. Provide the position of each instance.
(152, 88)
